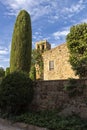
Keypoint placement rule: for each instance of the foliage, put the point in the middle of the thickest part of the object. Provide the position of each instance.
(77, 45)
(2, 72)
(0, 80)
(16, 93)
(74, 87)
(51, 120)
(7, 71)
(20, 58)
(32, 73)
(37, 60)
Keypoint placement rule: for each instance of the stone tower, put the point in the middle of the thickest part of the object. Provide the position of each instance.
(43, 45)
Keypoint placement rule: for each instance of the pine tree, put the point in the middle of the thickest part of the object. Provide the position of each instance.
(20, 58)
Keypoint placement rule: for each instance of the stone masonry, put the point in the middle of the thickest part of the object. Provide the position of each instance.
(51, 95)
(62, 68)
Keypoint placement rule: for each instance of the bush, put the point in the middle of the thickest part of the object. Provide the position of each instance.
(16, 93)
(2, 72)
(32, 73)
(7, 71)
(52, 121)
(0, 81)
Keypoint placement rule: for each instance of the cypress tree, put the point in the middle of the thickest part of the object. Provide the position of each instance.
(20, 58)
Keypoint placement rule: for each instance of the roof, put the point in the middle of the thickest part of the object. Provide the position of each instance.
(57, 47)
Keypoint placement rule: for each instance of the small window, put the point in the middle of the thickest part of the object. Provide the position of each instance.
(38, 47)
(51, 65)
(42, 47)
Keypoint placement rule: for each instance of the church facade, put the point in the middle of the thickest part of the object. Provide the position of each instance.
(56, 64)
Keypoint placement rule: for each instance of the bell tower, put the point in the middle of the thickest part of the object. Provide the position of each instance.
(43, 45)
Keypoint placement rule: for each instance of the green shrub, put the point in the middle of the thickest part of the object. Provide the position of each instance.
(0, 81)
(7, 71)
(16, 93)
(2, 72)
(52, 121)
(32, 73)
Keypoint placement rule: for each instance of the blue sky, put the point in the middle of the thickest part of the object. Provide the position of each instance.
(51, 20)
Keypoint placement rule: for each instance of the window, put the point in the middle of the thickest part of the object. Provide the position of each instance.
(38, 47)
(51, 65)
(42, 47)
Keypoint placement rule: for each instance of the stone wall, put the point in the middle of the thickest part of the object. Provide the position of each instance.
(51, 95)
(62, 68)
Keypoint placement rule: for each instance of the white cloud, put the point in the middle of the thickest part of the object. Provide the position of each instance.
(1, 65)
(6, 60)
(35, 8)
(59, 34)
(3, 51)
(53, 45)
(74, 8)
(40, 8)
(80, 21)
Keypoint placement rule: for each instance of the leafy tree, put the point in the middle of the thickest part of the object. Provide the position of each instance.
(37, 60)
(20, 59)
(77, 45)
(2, 72)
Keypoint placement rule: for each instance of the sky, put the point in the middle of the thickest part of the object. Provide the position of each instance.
(51, 21)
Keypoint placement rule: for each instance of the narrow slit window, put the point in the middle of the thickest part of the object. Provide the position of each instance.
(42, 47)
(51, 65)
(38, 47)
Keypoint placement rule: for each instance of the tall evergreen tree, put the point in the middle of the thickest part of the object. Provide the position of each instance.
(20, 58)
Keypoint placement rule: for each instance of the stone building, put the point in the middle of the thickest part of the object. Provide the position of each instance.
(56, 65)
(43, 46)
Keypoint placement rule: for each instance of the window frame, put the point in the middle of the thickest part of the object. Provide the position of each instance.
(51, 65)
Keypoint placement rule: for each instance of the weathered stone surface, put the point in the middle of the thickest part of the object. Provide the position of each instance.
(62, 68)
(31, 127)
(51, 95)
(21, 125)
(8, 125)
